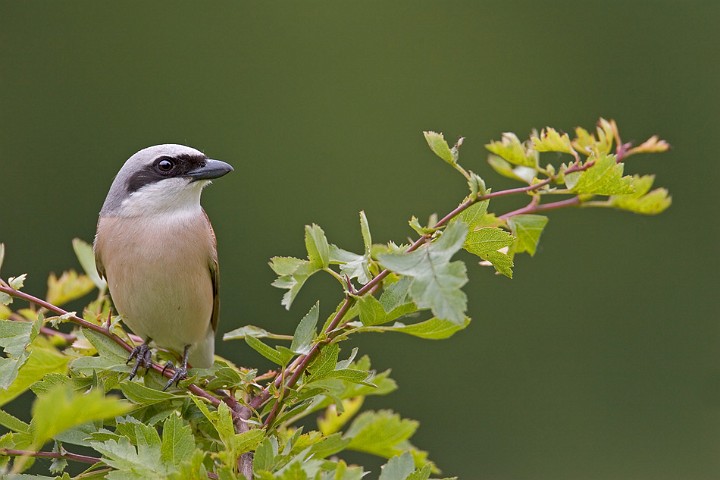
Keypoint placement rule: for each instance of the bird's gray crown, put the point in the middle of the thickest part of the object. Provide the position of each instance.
(148, 166)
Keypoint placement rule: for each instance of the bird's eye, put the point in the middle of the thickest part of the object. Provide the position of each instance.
(165, 165)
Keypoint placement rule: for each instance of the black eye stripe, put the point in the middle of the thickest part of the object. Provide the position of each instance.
(152, 173)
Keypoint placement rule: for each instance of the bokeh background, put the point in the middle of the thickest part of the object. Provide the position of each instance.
(600, 360)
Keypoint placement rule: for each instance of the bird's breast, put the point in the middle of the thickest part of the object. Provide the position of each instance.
(159, 276)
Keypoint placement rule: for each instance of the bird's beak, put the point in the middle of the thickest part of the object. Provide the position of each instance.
(211, 169)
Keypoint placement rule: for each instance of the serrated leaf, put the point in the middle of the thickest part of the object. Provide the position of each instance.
(247, 441)
(40, 362)
(293, 273)
(473, 215)
(380, 433)
(332, 420)
(436, 281)
(63, 408)
(351, 264)
(550, 140)
(651, 145)
(17, 283)
(70, 286)
(476, 185)
(432, 329)
(178, 442)
(488, 243)
(605, 177)
(365, 232)
(15, 338)
(268, 352)
(436, 142)
(325, 361)
(503, 168)
(527, 230)
(643, 200)
(512, 150)
(501, 262)
(398, 468)
(317, 246)
(86, 256)
(142, 395)
(305, 331)
(253, 331)
(371, 310)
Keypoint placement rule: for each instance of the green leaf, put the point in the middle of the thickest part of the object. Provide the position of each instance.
(86, 256)
(398, 468)
(351, 264)
(15, 338)
(550, 140)
(268, 352)
(142, 395)
(432, 329)
(253, 331)
(527, 229)
(317, 246)
(504, 168)
(473, 215)
(12, 423)
(17, 283)
(62, 408)
(247, 441)
(605, 177)
(332, 421)
(40, 362)
(178, 442)
(436, 142)
(371, 310)
(436, 281)
(490, 244)
(365, 232)
(476, 185)
(643, 200)
(293, 272)
(305, 331)
(512, 150)
(380, 433)
(324, 362)
(70, 286)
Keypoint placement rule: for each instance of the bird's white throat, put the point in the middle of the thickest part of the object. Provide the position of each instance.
(168, 197)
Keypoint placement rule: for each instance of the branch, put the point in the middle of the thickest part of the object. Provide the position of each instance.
(76, 457)
(103, 331)
(296, 369)
(532, 207)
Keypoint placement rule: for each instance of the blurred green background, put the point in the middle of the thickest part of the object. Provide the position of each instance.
(600, 360)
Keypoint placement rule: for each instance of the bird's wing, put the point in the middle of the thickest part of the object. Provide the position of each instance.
(214, 276)
(98, 262)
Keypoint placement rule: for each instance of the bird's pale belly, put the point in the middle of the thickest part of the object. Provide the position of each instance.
(164, 292)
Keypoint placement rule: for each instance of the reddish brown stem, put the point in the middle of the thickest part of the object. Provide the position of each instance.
(103, 331)
(64, 455)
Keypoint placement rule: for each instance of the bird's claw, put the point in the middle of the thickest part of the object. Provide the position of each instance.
(143, 358)
(180, 373)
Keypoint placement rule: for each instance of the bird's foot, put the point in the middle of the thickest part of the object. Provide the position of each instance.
(180, 373)
(143, 358)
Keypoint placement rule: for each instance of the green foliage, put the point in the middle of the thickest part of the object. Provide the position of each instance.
(227, 421)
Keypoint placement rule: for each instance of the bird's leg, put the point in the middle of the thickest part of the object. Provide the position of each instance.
(180, 372)
(142, 356)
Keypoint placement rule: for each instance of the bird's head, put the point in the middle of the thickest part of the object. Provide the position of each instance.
(161, 179)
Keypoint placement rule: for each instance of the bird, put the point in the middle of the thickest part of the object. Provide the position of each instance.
(157, 250)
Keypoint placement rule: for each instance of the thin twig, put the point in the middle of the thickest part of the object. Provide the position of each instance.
(103, 331)
(76, 457)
